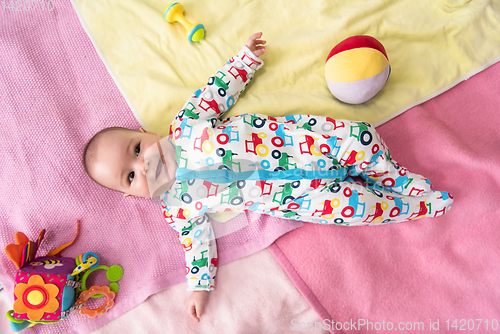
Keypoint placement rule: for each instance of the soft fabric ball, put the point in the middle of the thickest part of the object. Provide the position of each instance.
(356, 69)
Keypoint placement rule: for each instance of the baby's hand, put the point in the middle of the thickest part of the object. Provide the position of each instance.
(196, 303)
(256, 45)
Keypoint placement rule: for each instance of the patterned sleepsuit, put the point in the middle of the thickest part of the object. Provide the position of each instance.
(295, 167)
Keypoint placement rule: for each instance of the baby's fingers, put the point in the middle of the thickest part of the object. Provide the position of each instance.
(192, 312)
(259, 51)
(253, 40)
(199, 309)
(255, 36)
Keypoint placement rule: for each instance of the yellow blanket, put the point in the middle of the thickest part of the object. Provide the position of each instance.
(431, 44)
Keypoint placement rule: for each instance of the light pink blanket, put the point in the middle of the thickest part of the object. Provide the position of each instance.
(418, 273)
(267, 302)
(55, 93)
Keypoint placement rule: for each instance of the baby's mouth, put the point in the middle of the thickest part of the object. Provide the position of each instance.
(159, 167)
(161, 161)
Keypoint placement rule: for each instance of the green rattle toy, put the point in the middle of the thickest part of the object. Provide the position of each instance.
(175, 13)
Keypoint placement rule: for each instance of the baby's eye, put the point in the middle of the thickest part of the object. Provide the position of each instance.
(131, 177)
(138, 149)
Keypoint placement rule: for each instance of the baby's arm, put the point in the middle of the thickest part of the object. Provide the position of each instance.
(198, 240)
(224, 88)
(203, 255)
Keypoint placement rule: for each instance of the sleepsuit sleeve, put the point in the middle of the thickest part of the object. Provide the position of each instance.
(198, 241)
(223, 89)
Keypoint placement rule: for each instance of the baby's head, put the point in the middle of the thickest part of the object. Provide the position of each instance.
(118, 159)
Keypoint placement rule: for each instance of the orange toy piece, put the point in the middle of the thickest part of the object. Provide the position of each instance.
(23, 250)
(96, 290)
(14, 251)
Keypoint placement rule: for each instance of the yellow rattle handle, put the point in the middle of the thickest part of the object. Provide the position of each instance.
(84, 266)
(175, 13)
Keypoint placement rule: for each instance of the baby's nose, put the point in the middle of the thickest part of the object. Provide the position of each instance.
(145, 167)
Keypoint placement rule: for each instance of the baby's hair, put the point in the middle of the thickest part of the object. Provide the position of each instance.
(89, 152)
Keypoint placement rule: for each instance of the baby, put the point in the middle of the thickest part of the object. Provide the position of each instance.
(295, 167)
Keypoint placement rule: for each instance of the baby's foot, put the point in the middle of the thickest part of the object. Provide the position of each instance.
(434, 204)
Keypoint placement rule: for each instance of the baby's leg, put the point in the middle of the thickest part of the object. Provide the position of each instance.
(358, 146)
(366, 155)
(346, 203)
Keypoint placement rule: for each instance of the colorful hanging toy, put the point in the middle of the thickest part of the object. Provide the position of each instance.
(356, 69)
(48, 288)
(175, 13)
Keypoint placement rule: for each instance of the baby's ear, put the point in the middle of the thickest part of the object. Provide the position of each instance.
(142, 130)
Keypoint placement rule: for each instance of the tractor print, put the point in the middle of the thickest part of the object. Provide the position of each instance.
(227, 159)
(237, 71)
(203, 142)
(265, 187)
(283, 160)
(399, 208)
(207, 102)
(180, 214)
(211, 188)
(400, 183)
(285, 196)
(290, 214)
(197, 264)
(360, 131)
(228, 134)
(233, 193)
(300, 203)
(188, 111)
(281, 139)
(308, 146)
(293, 118)
(218, 80)
(182, 192)
(250, 61)
(330, 149)
(352, 158)
(332, 124)
(213, 264)
(187, 229)
(316, 183)
(422, 211)
(327, 209)
(182, 162)
(254, 121)
(444, 196)
(256, 146)
(376, 217)
(355, 207)
(308, 126)
(183, 130)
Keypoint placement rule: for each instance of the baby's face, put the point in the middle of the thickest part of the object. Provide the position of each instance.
(127, 161)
